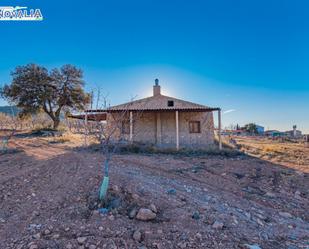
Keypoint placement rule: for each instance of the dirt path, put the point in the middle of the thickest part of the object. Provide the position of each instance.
(46, 192)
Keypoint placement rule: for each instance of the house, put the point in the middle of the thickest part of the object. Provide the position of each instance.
(273, 133)
(293, 133)
(163, 121)
(259, 129)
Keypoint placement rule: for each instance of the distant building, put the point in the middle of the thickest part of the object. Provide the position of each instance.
(273, 133)
(260, 129)
(293, 133)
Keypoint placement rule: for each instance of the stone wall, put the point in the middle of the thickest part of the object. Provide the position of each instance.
(160, 128)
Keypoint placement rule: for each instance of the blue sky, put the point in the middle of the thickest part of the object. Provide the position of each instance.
(251, 58)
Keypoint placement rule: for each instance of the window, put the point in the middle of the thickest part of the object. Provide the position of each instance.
(125, 129)
(195, 127)
(170, 103)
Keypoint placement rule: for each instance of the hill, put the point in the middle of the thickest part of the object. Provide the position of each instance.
(9, 110)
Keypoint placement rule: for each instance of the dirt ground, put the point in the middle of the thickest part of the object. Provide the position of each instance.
(48, 200)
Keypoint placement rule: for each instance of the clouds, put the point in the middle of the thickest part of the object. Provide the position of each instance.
(229, 111)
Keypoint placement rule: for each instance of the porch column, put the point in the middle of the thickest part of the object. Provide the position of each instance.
(86, 118)
(131, 126)
(177, 131)
(158, 129)
(219, 129)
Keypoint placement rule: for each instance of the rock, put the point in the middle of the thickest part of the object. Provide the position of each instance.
(47, 232)
(102, 210)
(171, 191)
(297, 194)
(101, 228)
(137, 236)
(56, 236)
(153, 208)
(36, 213)
(37, 236)
(259, 221)
(67, 229)
(111, 217)
(115, 188)
(198, 236)
(255, 246)
(81, 240)
(218, 225)
(182, 245)
(33, 246)
(69, 246)
(145, 214)
(132, 213)
(92, 247)
(285, 214)
(196, 215)
(270, 194)
(115, 203)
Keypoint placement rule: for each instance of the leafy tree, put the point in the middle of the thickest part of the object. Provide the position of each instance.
(34, 88)
(251, 128)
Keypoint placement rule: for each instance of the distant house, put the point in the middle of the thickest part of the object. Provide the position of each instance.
(164, 121)
(293, 133)
(260, 129)
(273, 133)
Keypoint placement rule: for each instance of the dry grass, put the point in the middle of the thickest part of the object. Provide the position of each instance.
(295, 155)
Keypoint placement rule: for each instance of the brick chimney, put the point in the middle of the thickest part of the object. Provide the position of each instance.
(156, 88)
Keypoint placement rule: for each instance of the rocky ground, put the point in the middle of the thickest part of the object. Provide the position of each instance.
(48, 199)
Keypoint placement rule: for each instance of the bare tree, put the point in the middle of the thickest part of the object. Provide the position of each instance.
(111, 134)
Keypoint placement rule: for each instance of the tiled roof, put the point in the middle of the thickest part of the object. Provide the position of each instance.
(159, 103)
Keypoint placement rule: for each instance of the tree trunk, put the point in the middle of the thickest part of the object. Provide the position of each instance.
(56, 123)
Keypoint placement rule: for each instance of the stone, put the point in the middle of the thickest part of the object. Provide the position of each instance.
(36, 213)
(182, 245)
(270, 194)
(69, 246)
(255, 246)
(145, 214)
(47, 232)
(37, 236)
(171, 191)
(218, 225)
(285, 214)
(132, 213)
(81, 240)
(137, 236)
(115, 188)
(92, 247)
(56, 236)
(33, 246)
(196, 215)
(153, 208)
(111, 217)
(198, 236)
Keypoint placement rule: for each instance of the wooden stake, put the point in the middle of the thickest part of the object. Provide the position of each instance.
(219, 129)
(177, 131)
(131, 126)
